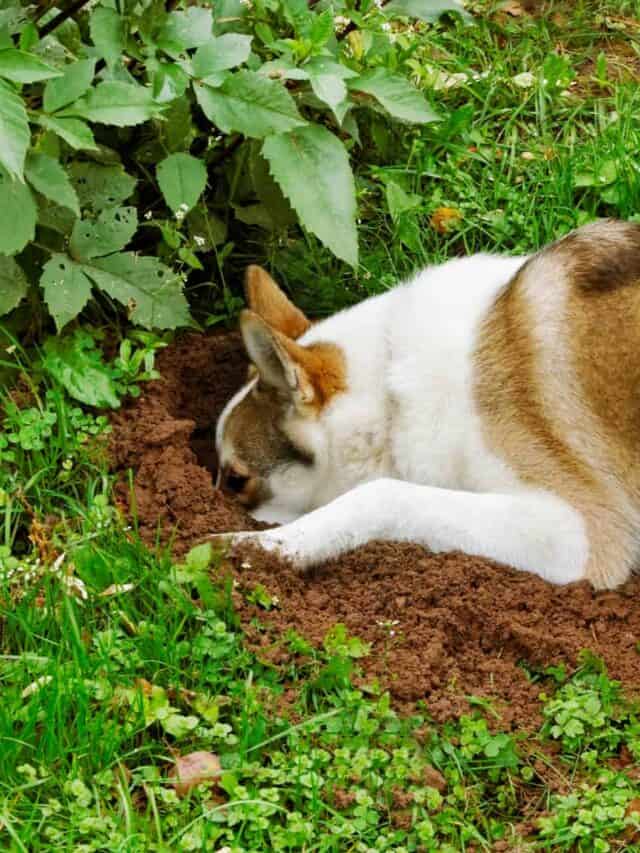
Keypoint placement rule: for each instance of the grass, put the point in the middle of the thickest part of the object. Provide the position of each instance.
(115, 662)
(541, 115)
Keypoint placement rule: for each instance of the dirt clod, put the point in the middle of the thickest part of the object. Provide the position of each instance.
(443, 627)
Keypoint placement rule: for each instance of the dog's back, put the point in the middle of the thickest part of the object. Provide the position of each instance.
(557, 383)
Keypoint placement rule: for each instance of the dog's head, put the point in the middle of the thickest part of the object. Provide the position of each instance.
(272, 437)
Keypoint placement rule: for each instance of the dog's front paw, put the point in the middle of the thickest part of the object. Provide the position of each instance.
(271, 541)
(229, 542)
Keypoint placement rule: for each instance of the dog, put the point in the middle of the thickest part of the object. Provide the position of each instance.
(489, 405)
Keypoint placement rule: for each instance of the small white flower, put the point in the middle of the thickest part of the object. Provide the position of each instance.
(245, 564)
(199, 241)
(525, 80)
(528, 155)
(148, 214)
(386, 26)
(341, 21)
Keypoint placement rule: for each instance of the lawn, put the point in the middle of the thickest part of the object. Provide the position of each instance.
(119, 659)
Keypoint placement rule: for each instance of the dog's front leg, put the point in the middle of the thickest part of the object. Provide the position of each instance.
(534, 531)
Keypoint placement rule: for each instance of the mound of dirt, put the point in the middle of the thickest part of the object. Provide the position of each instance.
(443, 627)
(166, 438)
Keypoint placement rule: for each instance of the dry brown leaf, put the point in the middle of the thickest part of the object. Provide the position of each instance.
(513, 8)
(192, 769)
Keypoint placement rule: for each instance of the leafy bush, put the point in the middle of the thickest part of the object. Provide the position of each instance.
(137, 138)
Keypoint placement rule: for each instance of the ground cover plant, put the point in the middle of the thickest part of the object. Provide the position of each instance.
(139, 177)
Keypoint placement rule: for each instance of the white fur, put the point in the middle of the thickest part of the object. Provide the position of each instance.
(400, 455)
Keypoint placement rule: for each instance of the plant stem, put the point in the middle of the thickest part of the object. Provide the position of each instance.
(61, 17)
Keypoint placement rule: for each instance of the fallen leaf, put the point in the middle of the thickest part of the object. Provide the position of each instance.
(32, 688)
(117, 589)
(192, 769)
(445, 218)
(513, 8)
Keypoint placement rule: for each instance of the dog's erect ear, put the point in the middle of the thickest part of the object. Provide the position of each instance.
(279, 360)
(309, 375)
(265, 299)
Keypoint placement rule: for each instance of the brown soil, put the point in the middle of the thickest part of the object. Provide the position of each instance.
(166, 437)
(442, 626)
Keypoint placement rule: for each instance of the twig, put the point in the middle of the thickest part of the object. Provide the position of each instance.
(61, 17)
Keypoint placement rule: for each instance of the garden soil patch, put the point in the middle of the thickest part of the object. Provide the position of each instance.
(443, 627)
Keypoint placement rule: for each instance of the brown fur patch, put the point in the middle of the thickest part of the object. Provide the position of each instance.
(253, 430)
(267, 300)
(557, 382)
(323, 367)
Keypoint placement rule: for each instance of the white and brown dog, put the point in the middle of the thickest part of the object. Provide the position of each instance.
(489, 405)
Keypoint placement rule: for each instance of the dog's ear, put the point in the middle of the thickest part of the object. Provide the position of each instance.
(309, 375)
(265, 299)
(279, 360)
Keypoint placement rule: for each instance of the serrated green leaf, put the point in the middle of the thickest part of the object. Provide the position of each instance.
(117, 103)
(249, 104)
(49, 178)
(182, 179)
(19, 214)
(151, 292)
(268, 191)
(312, 167)
(326, 65)
(396, 94)
(75, 81)
(169, 82)
(77, 364)
(285, 69)
(14, 130)
(110, 232)
(99, 186)
(107, 33)
(52, 216)
(75, 133)
(13, 284)
(177, 130)
(66, 289)
(332, 90)
(425, 10)
(22, 67)
(321, 28)
(183, 30)
(220, 54)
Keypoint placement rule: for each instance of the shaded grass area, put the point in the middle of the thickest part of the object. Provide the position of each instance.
(114, 661)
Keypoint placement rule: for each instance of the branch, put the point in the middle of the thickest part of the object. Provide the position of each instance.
(61, 17)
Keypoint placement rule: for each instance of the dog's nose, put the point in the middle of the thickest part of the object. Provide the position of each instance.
(235, 482)
(229, 479)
